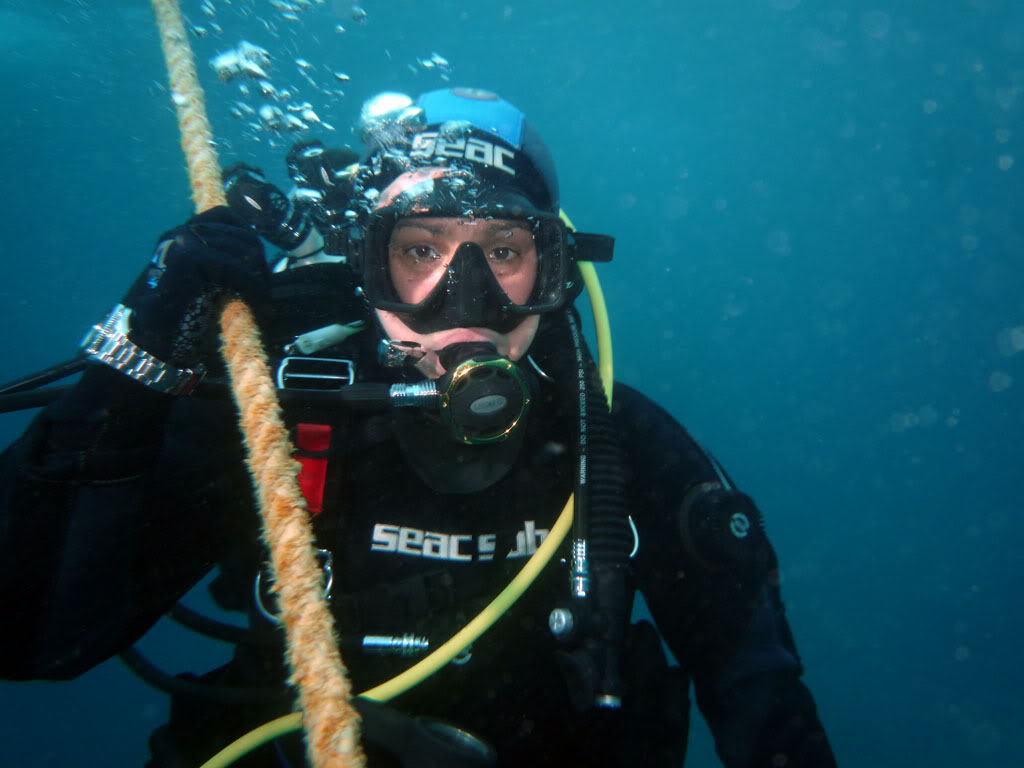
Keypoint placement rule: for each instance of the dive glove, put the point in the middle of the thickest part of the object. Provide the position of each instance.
(174, 301)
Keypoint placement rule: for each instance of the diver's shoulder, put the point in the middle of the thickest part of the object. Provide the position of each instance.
(629, 403)
(643, 423)
(657, 449)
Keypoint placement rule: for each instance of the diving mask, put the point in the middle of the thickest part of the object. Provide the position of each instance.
(439, 272)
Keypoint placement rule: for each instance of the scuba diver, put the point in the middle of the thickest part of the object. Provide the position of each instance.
(443, 405)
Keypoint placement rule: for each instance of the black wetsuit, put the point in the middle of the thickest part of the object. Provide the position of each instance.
(117, 500)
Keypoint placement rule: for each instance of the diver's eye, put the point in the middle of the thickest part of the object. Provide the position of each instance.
(421, 254)
(504, 254)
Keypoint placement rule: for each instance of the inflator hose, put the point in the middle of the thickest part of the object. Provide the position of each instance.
(601, 526)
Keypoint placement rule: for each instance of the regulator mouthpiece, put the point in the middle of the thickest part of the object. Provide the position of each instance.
(484, 397)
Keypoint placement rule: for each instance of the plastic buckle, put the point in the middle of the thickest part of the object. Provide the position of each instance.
(315, 373)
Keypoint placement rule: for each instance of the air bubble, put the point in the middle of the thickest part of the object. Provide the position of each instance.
(1010, 341)
(876, 24)
(999, 381)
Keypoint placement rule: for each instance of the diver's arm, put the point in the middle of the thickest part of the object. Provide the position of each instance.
(745, 666)
(115, 500)
(758, 709)
(718, 608)
(108, 513)
(746, 670)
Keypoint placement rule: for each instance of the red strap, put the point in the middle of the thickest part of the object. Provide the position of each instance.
(313, 438)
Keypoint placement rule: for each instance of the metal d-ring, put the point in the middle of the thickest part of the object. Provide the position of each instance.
(326, 565)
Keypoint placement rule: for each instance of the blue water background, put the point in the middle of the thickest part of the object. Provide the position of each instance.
(818, 270)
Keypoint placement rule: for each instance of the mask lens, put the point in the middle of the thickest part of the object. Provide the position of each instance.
(415, 265)
(418, 259)
(511, 254)
(422, 253)
(552, 265)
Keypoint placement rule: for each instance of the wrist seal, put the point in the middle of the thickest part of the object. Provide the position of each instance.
(107, 342)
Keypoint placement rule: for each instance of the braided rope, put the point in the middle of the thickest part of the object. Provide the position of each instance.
(196, 134)
(332, 724)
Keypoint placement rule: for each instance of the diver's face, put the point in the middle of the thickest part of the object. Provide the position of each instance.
(419, 253)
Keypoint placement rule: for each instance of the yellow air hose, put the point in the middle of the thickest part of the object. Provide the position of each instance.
(602, 326)
(332, 723)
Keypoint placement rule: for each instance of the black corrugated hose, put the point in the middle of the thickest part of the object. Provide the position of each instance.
(601, 516)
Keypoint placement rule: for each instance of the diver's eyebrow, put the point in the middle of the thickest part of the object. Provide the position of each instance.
(497, 229)
(433, 229)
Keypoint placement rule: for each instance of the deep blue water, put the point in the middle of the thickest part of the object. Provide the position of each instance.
(818, 270)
